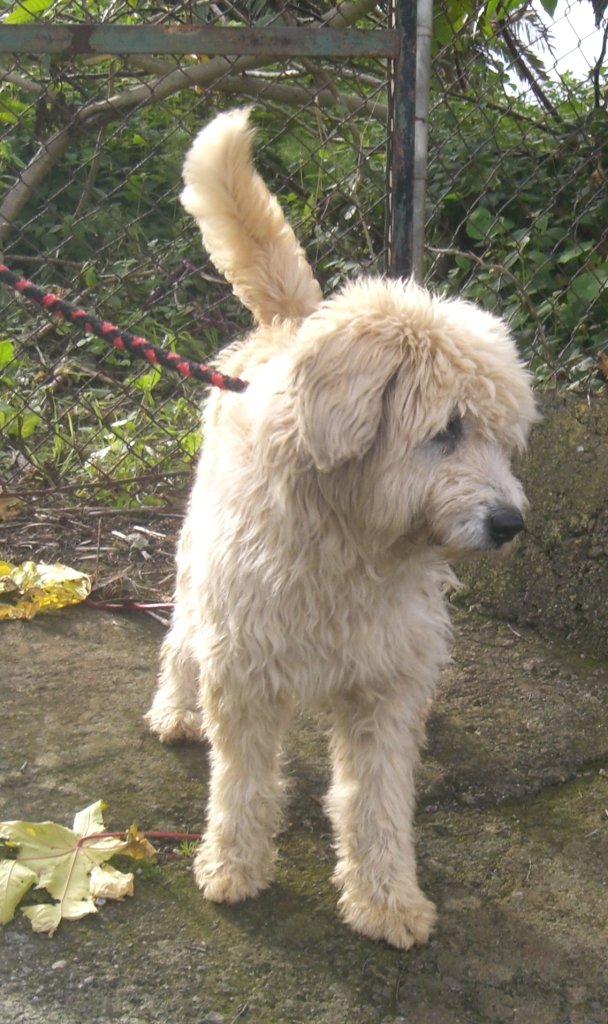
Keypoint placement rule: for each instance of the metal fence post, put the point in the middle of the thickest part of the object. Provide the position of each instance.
(401, 141)
(409, 128)
(424, 35)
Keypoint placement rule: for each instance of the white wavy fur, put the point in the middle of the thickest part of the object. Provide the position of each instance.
(371, 448)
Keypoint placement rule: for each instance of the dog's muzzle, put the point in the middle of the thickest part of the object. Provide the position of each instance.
(504, 524)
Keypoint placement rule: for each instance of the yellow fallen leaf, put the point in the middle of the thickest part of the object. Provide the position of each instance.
(15, 880)
(33, 587)
(45, 917)
(63, 863)
(90, 819)
(109, 884)
(10, 507)
(138, 847)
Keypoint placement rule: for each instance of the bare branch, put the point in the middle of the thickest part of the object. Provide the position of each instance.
(525, 72)
(46, 158)
(597, 69)
(347, 14)
(168, 81)
(27, 84)
(298, 96)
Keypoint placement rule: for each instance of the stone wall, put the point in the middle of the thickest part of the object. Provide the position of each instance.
(556, 579)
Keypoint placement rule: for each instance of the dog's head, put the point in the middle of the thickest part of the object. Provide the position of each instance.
(410, 409)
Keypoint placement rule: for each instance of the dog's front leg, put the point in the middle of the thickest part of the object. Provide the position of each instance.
(374, 747)
(236, 858)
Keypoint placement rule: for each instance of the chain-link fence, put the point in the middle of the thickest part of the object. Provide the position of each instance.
(517, 187)
(91, 147)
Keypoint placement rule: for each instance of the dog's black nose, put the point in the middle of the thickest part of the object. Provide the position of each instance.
(504, 524)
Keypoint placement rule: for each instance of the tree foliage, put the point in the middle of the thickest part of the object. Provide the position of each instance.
(517, 189)
(90, 159)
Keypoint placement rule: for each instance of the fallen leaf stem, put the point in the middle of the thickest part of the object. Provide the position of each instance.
(146, 835)
(127, 605)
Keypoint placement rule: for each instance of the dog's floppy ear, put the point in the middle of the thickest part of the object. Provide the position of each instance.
(339, 385)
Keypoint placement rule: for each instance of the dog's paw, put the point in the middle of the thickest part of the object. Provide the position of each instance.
(174, 724)
(227, 883)
(402, 926)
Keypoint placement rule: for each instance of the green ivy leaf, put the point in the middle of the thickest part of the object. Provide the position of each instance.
(26, 10)
(550, 6)
(574, 251)
(29, 422)
(7, 352)
(480, 223)
(588, 286)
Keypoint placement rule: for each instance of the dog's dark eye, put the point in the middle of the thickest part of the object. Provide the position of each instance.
(448, 438)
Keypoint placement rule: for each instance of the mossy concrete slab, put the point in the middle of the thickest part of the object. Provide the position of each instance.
(512, 843)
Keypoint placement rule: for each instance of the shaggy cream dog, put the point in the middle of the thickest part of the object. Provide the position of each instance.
(371, 448)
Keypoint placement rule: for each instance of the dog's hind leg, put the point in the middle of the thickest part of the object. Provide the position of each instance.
(374, 746)
(174, 714)
(236, 858)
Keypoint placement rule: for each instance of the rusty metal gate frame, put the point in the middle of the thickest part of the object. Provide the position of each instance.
(397, 44)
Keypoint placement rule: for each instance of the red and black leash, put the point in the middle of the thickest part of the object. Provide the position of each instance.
(123, 340)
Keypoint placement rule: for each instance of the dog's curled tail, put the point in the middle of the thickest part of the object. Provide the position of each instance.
(243, 227)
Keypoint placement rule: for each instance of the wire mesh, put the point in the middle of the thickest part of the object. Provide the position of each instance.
(91, 149)
(518, 203)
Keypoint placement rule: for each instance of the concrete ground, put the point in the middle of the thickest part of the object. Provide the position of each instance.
(512, 845)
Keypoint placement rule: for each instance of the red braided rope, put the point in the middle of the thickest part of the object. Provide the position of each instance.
(123, 340)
